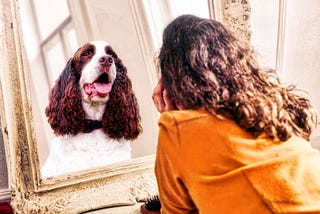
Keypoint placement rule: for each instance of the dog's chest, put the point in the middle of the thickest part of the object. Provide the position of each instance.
(88, 150)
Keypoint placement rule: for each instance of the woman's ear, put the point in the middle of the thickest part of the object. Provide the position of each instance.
(64, 112)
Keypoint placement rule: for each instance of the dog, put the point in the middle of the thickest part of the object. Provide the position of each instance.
(93, 112)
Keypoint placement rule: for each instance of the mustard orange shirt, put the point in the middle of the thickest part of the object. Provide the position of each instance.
(207, 164)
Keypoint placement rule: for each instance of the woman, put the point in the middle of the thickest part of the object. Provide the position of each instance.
(231, 138)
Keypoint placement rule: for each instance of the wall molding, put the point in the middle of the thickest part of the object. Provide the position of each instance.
(281, 36)
(5, 195)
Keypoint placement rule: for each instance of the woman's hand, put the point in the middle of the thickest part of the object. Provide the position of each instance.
(162, 101)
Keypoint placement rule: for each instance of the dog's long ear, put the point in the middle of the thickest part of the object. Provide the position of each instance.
(122, 117)
(65, 113)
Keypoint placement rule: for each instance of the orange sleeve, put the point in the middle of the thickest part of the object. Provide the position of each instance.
(173, 194)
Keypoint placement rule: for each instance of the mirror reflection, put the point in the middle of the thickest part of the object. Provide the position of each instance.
(93, 111)
(112, 127)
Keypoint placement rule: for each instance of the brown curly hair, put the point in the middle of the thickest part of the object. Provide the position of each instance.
(203, 64)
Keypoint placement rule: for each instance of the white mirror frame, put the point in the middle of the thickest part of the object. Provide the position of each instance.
(117, 185)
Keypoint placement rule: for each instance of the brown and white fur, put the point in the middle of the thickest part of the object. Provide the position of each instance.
(93, 112)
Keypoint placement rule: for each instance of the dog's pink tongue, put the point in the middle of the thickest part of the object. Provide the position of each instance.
(102, 88)
(97, 88)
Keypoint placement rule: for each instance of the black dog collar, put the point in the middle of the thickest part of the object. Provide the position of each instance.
(90, 125)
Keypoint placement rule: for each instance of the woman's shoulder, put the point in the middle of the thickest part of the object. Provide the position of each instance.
(183, 115)
(188, 115)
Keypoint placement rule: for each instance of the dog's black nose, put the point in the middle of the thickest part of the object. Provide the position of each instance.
(106, 60)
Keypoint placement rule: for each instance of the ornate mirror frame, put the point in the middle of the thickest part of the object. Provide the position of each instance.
(112, 186)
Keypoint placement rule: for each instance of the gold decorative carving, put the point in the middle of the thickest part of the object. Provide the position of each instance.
(236, 14)
(90, 194)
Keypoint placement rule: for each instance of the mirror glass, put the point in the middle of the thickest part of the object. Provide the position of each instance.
(54, 30)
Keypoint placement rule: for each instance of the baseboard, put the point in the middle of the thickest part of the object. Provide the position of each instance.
(5, 195)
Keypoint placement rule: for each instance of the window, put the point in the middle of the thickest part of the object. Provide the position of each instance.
(160, 13)
(57, 39)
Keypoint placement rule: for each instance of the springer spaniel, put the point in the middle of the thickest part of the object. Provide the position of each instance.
(93, 112)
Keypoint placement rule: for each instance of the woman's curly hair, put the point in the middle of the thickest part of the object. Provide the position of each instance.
(204, 65)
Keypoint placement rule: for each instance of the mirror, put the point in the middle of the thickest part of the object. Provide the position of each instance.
(50, 39)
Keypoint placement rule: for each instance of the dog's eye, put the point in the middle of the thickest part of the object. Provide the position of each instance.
(111, 53)
(87, 52)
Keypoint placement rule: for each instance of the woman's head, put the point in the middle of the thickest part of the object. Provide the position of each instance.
(204, 65)
(195, 54)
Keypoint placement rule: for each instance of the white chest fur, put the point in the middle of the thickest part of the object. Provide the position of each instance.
(84, 151)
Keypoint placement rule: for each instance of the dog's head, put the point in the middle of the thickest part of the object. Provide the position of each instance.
(96, 62)
(95, 74)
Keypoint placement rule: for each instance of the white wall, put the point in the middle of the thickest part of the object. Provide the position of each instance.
(301, 44)
(302, 50)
